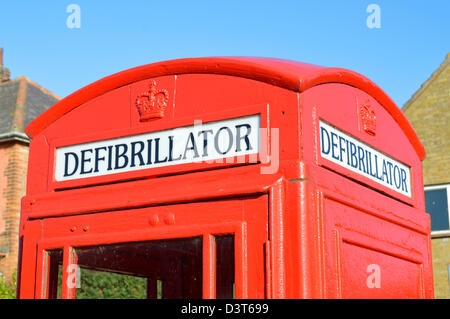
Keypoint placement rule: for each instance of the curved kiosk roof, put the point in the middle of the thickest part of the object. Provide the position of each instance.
(288, 74)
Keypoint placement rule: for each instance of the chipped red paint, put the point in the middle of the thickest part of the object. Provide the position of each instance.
(304, 226)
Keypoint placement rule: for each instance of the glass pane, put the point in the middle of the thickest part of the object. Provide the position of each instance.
(109, 285)
(155, 269)
(448, 266)
(437, 206)
(54, 273)
(224, 267)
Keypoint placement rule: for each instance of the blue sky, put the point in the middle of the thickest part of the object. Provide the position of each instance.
(411, 43)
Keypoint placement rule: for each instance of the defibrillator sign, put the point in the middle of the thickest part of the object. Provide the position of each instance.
(196, 143)
(346, 151)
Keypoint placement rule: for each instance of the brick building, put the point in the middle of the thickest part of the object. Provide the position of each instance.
(428, 110)
(21, 100)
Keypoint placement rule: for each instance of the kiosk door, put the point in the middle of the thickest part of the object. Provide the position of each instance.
(212, 249)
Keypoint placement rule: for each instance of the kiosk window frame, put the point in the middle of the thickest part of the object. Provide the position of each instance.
(245, 219)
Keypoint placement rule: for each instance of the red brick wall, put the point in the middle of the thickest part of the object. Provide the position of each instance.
(3, 183)
(13, 172)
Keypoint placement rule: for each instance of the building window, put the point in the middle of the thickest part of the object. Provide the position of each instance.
(437, 199)
(448, 266)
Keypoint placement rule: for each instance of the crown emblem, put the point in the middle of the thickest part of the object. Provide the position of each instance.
(152, 103)
(368, 118)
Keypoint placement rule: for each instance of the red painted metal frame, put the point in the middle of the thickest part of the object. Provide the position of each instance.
(306, 232)
(204, 191)
(238, 218)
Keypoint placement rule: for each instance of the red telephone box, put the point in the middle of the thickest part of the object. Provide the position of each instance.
(222, 178)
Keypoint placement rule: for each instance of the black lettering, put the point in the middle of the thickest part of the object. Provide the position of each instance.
(85, 160)
(385, 172)
(171, 159)
(390, 172)
(397, 180)
(404, 186)
(333, 145)
(135, 153)
(322, 137)
(205, 141)
(361, 159)
(66, 163)
(193, 146)
(367, 162)
(149, 151)
(348, 153)
(110, 157)
(97, 158)
(370, 163)
(121, 155)
(245, 137)
(340, 147)
(230, 140)
(157, 160)
(376, 171)
(354, 159)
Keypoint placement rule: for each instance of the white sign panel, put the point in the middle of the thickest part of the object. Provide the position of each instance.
(197, 143)
(346, 151)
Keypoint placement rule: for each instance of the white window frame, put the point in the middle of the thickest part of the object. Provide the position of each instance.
(448, 267)
(441, 233)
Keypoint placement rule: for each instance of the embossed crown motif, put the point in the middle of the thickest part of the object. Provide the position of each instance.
(368, 118)
(152, 103)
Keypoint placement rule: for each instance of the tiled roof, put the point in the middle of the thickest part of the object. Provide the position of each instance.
(21, 100)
